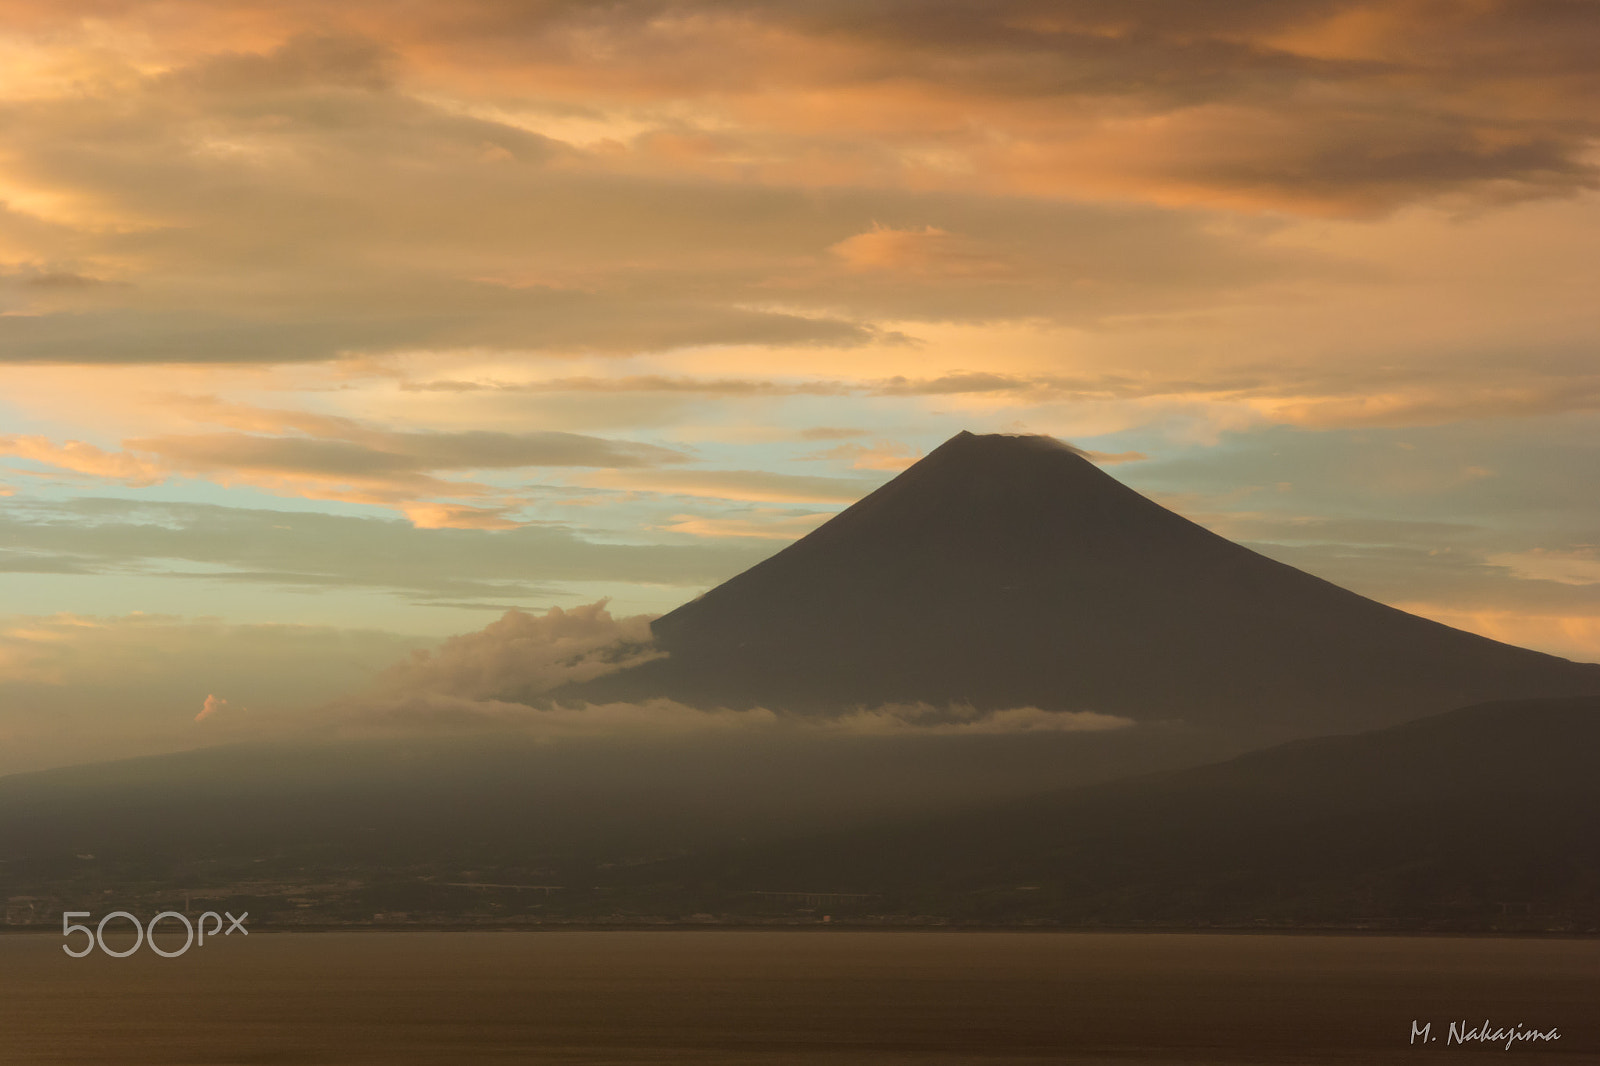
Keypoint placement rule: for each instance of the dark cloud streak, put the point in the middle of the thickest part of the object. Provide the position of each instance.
(298, 549)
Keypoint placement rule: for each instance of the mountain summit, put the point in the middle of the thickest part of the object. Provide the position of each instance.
(1005, 571)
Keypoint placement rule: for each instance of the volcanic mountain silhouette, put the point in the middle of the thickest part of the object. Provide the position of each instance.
(1008, 571)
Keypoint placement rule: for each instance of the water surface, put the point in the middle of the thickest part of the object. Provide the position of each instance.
(775, 998)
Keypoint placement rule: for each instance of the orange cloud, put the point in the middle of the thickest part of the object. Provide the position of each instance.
(1434, 404)
(1112, 458)
(928, 252)
(1573, 636)
(757, 486)
(779, 527)
(81, 458)
(457, 516)
(882, 455)
(1357, 106)
(321, 456)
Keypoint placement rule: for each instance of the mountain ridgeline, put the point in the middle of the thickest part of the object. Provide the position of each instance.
(1007, 571)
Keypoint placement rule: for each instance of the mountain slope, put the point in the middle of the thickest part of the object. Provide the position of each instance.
(1007, 571)
(1479, 817)
(515, 804)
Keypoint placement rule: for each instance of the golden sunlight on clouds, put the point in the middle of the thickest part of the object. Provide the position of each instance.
(765, 525)
(80, 458)
(427, 515)
(1568, 568)
(1573, 636)
(756, 486)
(927, 252)
(212, 705)
(882, 455)
(441, 308)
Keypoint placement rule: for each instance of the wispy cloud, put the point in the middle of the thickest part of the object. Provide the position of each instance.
(331, 457)
(212, 705)
(501, 678)
(881, 455)
(227, 545)
(81, 458)
(523, 656)
(754, 485)
(761, 525)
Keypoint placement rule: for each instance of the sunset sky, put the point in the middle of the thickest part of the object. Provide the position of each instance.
(330, 330)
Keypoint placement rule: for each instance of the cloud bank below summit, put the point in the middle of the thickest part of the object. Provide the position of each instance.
(500, 679)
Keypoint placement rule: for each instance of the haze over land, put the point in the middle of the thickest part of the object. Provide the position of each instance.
(330, 331)
(1391, 828)
(999, 621)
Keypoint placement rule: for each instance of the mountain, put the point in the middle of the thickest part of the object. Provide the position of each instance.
(1485, 817)
(999, 572)
(1008, 571)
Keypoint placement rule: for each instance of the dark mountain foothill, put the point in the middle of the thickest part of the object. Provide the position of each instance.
(1482, 818)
